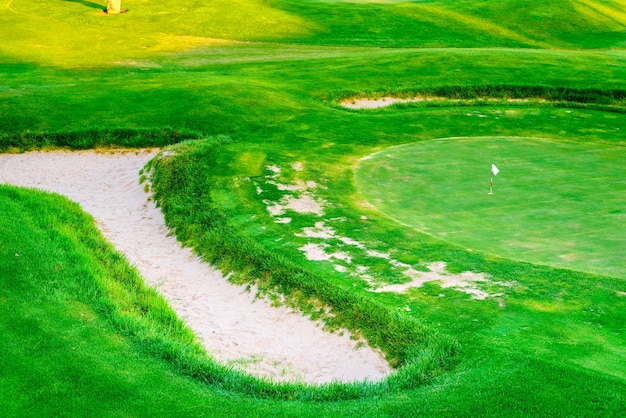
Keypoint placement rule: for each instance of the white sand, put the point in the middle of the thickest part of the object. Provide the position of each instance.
(368, 103)
(264, 340)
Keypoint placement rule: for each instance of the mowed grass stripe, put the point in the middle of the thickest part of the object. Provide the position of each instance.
(559, 203)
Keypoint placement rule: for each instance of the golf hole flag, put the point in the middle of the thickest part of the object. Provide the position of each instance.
(494, 171)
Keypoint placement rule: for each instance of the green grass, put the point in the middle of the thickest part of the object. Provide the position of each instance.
(86, 303)
(555, 202)
(268, 76)
(60, 352)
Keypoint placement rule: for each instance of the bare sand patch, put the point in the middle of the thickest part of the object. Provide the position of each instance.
(318, 231)
(318, 249)
(365, 103)
(463, 281)
(370, 103)
(234, 327)
(303, 204)
(300, 200)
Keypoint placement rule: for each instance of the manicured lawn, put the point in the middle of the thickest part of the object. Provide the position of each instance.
(554, 202)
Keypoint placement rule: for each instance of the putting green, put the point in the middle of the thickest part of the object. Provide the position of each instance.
(560, 203)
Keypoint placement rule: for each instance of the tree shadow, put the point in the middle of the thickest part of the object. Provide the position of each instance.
(88, 4)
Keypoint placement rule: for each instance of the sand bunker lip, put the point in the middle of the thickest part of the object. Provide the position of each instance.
(233, 326)
(372, 103)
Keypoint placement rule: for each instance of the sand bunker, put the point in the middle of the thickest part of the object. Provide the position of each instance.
(369, 103)
(365, 103)
(234, 327)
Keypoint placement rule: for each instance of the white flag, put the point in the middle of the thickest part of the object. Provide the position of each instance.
(494, 169)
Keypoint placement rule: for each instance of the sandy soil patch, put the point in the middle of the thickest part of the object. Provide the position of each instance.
(234, 327)
(306, 203)
(302, 200)
(465, 282)
(368, 103)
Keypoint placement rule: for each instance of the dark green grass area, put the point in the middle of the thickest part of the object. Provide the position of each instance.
(554, 202)
(94, 138)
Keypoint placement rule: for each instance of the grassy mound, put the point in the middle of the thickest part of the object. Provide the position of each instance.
(185, 171)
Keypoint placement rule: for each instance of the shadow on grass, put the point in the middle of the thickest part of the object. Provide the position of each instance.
(88, 4)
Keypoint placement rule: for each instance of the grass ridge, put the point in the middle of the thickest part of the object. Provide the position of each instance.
(559, 96)
(95, 138)
(419, 351)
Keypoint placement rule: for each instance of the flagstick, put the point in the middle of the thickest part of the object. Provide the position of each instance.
(494, 171)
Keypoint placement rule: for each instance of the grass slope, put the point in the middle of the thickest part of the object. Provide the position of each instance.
(269, 75)
(77, 343)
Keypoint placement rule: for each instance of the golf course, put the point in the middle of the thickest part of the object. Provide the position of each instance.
(426, 198)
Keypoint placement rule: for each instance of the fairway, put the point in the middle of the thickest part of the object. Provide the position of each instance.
(558, 203)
